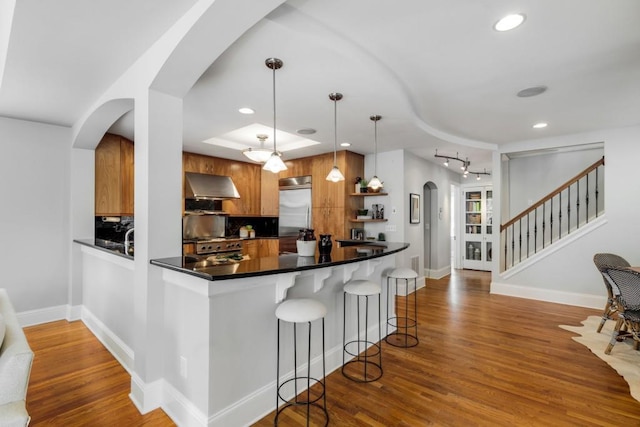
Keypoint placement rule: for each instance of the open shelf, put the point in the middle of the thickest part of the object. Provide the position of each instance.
(368, 194)
(368, 220)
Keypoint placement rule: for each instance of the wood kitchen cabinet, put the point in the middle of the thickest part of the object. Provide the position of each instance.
(268, 247)
(114, 176)
(332, 204)
(297, 167)
(269, 193)
(326, 193)
(250, 248)
(260, 248)
(331, 201)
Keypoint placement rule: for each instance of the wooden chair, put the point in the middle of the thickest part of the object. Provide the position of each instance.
(608, 260)
(625, 284)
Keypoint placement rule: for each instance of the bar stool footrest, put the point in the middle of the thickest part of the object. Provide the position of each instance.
(409, 340)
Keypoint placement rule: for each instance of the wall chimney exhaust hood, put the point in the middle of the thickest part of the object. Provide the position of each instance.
(209, 187)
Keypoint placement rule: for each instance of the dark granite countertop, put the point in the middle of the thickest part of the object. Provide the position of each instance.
(343, 252)
(105, 246)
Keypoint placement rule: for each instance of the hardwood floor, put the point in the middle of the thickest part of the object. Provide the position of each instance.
(483, 360)
(75, 381)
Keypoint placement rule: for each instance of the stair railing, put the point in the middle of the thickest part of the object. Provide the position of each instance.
(551, 218)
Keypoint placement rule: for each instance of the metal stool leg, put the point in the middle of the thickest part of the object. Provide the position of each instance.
(367, 355)
(406, 324)
(298, 400)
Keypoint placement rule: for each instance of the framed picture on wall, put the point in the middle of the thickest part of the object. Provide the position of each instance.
(414, 208)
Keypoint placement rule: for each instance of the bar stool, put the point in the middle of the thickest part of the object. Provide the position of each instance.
(406, 333)
(366, 364)
(301, 310)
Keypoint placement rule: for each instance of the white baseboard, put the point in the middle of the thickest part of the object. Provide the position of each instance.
(437, 274)
(43, 315)
(549, 295)
(123, 353)
(146, 397)
(180, 409)
(74, 312)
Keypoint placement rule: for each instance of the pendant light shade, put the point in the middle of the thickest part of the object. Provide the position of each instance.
(374, 183)
(335, 175)
(274, 163)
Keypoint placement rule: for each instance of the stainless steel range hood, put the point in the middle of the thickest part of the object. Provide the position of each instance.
(209, 187)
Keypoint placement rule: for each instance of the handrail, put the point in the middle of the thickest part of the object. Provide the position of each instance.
(557, 191)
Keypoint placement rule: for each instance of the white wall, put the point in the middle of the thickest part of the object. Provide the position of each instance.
(404, 173)
(569, 275)
(417, 173)
(533, 177)
(34, 219)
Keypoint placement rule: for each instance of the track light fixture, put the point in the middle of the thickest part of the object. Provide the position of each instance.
(464, 165)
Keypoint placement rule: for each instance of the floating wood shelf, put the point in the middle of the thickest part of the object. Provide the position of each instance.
(368, 194)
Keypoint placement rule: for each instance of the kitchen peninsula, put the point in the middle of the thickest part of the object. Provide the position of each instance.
(219, 325)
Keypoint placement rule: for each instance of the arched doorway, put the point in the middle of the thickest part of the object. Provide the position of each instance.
(430, 231)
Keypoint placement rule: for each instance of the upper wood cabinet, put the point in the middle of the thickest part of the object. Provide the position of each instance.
(269, 193)
(114, 176)
(246, 177)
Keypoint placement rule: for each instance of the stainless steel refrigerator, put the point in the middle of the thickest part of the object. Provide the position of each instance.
(295, 210)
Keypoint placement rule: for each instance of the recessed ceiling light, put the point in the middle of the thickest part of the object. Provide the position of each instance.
(532, 91)
(345, 144)
(540, 125)
(246, 110)
(509, 22)
(306, 131)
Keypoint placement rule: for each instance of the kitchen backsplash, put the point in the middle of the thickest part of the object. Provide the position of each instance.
(264, 226)
(113, 227)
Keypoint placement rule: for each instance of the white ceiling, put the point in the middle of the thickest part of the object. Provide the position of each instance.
(435, 70)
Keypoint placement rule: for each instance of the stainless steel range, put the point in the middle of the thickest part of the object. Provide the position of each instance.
(219, 246)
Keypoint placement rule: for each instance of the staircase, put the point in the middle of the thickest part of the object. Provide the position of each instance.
(554, 217)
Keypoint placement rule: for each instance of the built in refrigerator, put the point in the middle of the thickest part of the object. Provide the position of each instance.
(295, 209)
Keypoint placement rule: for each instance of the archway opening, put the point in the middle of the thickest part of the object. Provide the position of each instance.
(430, 231)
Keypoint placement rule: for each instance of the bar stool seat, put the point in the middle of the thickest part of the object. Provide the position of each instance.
(294, 311)
(403, 273)
(300, 310)
(365, 364)
(406, 323)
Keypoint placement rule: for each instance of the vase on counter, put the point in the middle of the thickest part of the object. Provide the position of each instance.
(325, 244)
(324, 258)
(306, 243)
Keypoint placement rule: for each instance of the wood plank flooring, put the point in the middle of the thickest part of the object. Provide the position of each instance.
(483, 360)
(75, 381)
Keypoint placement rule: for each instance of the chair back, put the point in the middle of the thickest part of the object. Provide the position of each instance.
(602, 260)
(627, 284)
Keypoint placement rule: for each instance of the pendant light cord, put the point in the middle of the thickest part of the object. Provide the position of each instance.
(335, 130)
(275, 150)
(375, 140)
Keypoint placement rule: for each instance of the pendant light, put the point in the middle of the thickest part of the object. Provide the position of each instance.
(335, 175)
(259, 155)
(274, 163)
(374, 183)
